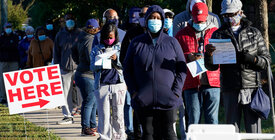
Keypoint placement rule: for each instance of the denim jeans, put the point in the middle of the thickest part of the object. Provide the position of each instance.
(89, 103)
(206, 99)
(128, 114)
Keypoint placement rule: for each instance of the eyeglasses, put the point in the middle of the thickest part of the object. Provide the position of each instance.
(230, 14)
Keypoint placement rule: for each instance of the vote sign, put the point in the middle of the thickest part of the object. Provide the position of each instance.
(34, 89)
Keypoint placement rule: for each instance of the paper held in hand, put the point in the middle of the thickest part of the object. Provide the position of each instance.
(225, 51)
(104, 59)
(196, 67)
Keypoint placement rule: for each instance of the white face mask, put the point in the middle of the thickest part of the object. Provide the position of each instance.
(168, 22)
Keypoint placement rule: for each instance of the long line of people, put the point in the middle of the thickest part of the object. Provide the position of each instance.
(138, 91)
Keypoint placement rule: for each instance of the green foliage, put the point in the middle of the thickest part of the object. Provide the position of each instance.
(16, 14)
(13, 127)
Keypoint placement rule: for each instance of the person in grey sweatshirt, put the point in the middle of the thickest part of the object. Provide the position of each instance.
(64, 41)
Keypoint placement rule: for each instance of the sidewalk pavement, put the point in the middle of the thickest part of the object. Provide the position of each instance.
(67, 132)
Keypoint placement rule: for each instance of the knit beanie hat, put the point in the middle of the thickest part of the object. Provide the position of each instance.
(231, 6)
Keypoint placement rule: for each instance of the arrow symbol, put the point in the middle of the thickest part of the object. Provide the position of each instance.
(41, 103)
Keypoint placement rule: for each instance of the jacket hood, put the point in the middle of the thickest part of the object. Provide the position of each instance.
(188, 5)
(151, 10)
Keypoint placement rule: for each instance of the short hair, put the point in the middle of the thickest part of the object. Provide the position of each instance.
(106, 29)
(29, 29)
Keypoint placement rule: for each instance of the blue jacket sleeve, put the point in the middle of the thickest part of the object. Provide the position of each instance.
(180, 70)
(128, 69)
(93, 54)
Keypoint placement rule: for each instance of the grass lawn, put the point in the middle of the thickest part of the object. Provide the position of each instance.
(12, 127)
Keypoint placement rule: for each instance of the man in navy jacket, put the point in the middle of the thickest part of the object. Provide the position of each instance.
(155, 71)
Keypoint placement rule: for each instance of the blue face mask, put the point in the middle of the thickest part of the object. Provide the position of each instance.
(42, 37)
(19, 37)
(154, 25)
(115, 21)
(49, 27)
(29, 36)
(8, 30)
(199, 27)
(70, 24)
(168, 22)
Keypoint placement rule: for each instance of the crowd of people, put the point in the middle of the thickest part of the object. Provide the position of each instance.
(138, 91)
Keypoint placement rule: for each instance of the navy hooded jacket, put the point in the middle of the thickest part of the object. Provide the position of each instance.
(155, 74)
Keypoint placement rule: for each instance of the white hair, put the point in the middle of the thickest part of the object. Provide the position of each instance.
(29, 29)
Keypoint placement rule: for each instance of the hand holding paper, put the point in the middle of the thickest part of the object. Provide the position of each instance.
(104, 59)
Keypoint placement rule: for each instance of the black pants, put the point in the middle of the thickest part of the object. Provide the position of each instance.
(158, 124)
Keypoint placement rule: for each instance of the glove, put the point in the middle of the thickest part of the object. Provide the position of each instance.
(247, 58)
(209, 48)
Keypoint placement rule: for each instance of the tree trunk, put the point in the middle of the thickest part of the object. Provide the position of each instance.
(209, 4)
(3, 13)
(262, 19)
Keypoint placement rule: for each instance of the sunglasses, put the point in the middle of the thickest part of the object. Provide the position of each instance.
(227, 15)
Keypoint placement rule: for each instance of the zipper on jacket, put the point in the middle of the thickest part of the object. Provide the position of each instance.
(153, 70)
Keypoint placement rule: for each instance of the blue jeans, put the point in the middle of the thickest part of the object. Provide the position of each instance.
(89, 103)
(206, 99)
(128, 114)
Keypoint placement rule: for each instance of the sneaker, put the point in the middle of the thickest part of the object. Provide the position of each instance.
(66, 120)
(94, 130)
(87, 131)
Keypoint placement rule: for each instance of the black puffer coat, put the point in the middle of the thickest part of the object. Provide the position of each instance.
(240, 76)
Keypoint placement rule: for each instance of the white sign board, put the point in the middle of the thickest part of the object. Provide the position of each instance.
(196, 67)
(34, 89)
(225, 51)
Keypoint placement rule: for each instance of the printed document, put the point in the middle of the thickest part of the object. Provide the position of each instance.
(225, 51)
(196, 67)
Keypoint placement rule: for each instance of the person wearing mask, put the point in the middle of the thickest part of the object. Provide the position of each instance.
(50, 32)
(201, 93)
(110, 86)
(110, 16)
(168, 22)
(84, 77)
(9, 56)
(239, 81)
(20, 34)
(64, 41)
(40, 52)
(133, 128)
(155, 71)
(24, 45)
(181, 19)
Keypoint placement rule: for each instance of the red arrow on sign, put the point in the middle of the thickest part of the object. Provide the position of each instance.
(41, 103)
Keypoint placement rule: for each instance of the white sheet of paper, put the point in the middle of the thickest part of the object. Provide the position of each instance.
(107, 54)
(98, 61)
(103, 59)
(107, 63)
(225, 51)
(196, 67)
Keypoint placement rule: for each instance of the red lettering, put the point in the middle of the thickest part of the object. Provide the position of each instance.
(23, 80)
(42, 89)
(12, 95)
(54, 88)
(51, 71)
(39, 72)
(27, 91)
(12, 82)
